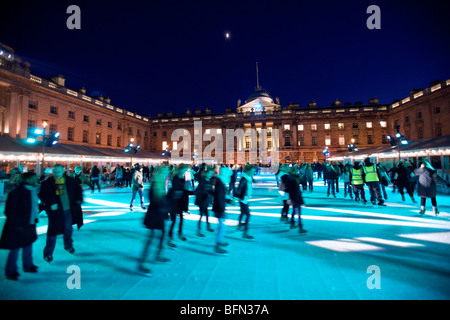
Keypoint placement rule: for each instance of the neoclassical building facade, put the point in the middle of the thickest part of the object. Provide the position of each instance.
(279, 133)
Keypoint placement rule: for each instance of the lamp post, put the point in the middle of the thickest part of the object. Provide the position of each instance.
(47, 140)
(397, 140)
(326, 153)
(131, 149)
(352, 148)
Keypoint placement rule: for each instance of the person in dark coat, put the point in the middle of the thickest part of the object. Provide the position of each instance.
(295, 198)
(177, 198)
(19, 231)
(61, 196)
(203, 198)
(220, 183)
(403, 181)
(95, 178)
(426, 185)
(243, 194)
(157, 214)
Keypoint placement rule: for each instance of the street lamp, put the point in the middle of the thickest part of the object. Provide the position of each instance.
(131, 149)
(326, 153)
(48, 140)
(352, 148)
(397, 140)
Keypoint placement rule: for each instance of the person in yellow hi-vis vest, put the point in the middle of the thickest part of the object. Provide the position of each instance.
(372, 179)
(357, 181)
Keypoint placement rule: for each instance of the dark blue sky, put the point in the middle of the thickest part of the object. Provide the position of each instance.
(159, 56)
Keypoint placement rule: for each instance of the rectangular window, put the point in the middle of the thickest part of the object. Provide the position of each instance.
(383, 124)
(71, 115)
(355, 125)
(301, 141)
(118, 141)
(328, 140)
(32, 124)
(109, 124)
(85, 118)
(384, 139)
(70, 133)
(119, 126)
(99, 122)
(438, 129)
(53, 110)
(314, 127)
(300, 127)
(287, 127)
(314, 140)
(287, 141)
(419, 132)
(369, 125)
(109, 140)
(85, 136)
(340, 126)
(369, 139)
(327, 126)
(53, 128)
(33, 105)
(341, 140)
(98, 138)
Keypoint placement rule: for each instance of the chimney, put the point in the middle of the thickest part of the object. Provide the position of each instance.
(82, 90)
(373, 101)
(312, 104)
(336, 103)
(59, 80)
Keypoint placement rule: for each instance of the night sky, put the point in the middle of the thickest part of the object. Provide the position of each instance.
(159, 56)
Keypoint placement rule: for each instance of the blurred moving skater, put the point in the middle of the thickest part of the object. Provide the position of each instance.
(426, 185)
(177, 196)
(61, 196)
(137, 186)
(157, 214)
(204, 197)
(19, 231)
(243, 193)
(220, 193)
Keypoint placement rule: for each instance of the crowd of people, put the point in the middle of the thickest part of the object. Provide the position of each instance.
(60, 195)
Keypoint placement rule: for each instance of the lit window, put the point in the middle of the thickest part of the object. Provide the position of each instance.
(207, 131)
(341, 140)
(219, 131)
(383, 124)
(327, 140)
(164, 145)
(287, 127)
(369, 125)
(314, 127)
(300, 127)
(341, 125)
(327, 126)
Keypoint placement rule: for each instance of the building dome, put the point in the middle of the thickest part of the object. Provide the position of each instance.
(259, 93)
